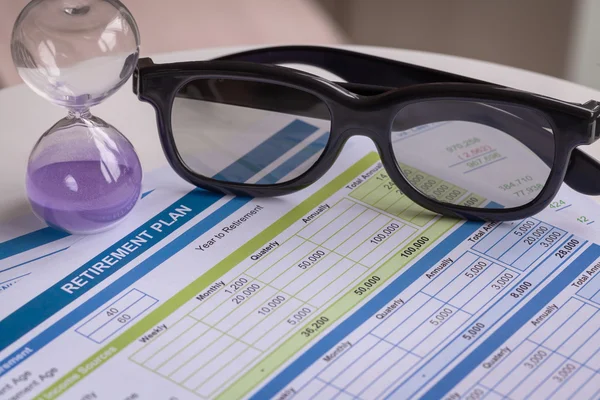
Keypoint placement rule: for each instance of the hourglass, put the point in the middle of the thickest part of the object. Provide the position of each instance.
(83, 175)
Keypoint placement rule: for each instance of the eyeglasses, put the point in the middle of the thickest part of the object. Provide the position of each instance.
(237, 125)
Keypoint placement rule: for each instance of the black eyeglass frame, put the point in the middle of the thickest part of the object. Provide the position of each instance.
(367, 105)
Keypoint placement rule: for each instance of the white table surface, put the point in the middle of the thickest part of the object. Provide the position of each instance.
(24, 116)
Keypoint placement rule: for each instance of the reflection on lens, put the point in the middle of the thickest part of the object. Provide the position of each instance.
(473, 153)
(248, 132)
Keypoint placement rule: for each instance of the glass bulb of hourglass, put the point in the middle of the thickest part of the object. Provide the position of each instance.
(83, 175)
(75, 53)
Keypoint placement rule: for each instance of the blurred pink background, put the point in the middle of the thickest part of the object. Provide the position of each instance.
(172, 25)
(554, 37)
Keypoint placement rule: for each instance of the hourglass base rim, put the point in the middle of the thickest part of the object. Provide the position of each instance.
(75, 231)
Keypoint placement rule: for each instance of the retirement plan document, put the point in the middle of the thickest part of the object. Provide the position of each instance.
(344, 290)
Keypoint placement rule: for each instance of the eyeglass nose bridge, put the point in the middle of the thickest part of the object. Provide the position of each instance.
(352, 131)
(378, 139)
(380, 136)
(363, 122)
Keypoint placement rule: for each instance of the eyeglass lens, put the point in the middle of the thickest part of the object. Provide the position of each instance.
(474, 153)
(248, 132)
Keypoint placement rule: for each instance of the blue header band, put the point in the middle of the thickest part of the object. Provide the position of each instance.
(103, 265)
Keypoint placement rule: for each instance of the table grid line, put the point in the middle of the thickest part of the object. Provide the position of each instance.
(365, 224)
(330, 381)
(548, 349)
(505, 289)
(172, 381)
(358, 262)
(337, 231)
(481, 290)
(333, 206)
(369, 192)
(283, 256)
(592, 280)
(557, 243)
(177, 337)
(204, 366)
(579, 367)
(422, 323)
(375, 362)
(402, 198)
(318, 276)
(259, 306)
(381, 374)
(511, 308)
(225, 316)
(220, 369)
(571, 335)
(314, 396)
(488, 391)
(538, 223)
(357, 341)
(538, 240)
(529, 248)
(595, 375)
(508, 232)
(499, 262)
(509, 372)
(407, 351)
(468, 284)
(264, 285)
(391, 220)
(279, 260)
(385, 340)
(473, 279)
(394, 251)
(179, 352)
(533, 370)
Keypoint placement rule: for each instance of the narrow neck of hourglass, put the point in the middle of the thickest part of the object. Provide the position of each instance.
(79, 113)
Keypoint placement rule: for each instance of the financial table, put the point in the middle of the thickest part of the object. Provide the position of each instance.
(291, 279)
(258, 320)
(558, 356)
(440, 320)
(355, 293)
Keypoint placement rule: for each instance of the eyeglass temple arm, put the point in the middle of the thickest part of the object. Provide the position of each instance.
(360, 68)
(351, 66)
(369, 74)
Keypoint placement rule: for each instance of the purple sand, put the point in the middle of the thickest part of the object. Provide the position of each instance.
(83, 196)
